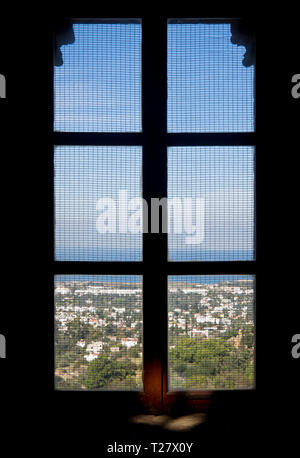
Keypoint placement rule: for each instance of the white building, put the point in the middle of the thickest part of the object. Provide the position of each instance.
(91, 356)
(129, 342)
(94, 347)
(81, 343)
(61, 290)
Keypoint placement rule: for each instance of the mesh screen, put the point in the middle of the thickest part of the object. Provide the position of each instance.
(211, 332)
(209, 89)
(218, 223)
(98, 87)
(98, 332)
(94, 188)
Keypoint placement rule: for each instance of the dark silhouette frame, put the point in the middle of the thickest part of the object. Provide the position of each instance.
(155, 266)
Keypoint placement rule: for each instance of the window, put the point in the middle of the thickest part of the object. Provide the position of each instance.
(86, 178)
(211, 332)
(139, 114)
(209, 90)
(95, 316)
(104, 59)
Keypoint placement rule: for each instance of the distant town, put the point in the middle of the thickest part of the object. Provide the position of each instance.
(98, 335)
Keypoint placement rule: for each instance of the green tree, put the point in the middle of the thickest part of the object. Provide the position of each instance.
(216, 362)
(103, 371)
(248, 336)
(77, 330)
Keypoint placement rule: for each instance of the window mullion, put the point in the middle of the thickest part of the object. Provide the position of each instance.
(154, 109)
(98, 138)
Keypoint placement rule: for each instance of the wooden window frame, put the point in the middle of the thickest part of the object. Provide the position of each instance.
(154, 267)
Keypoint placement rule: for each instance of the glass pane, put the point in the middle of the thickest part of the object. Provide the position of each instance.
(98, 332)
(97, 216)
(98, 87)
(211, 203)
(211, 332)
(209, 89)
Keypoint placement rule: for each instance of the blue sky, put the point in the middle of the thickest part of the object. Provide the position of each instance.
(99, 89)
(209, 90)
